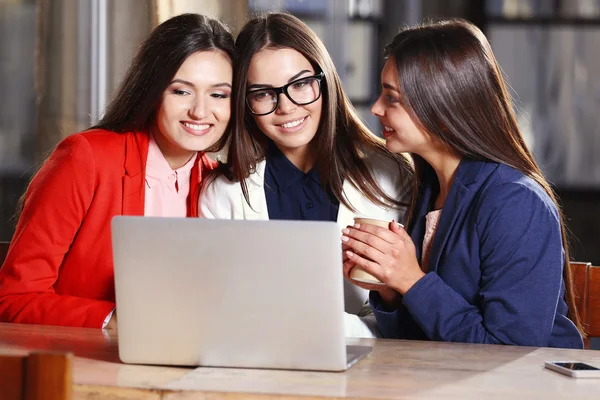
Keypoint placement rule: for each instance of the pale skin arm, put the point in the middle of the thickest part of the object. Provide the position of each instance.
(387, 254)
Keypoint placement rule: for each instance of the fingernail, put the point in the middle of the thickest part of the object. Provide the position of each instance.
(357, 226)
(349, 253)
(346, 231)
(344, 238)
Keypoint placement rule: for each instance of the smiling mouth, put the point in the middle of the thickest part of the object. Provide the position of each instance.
(293, 124)
(387, 129)
(196, 127)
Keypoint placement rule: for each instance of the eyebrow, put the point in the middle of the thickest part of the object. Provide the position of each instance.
(215, 85)
(265, 85)
(390, 87)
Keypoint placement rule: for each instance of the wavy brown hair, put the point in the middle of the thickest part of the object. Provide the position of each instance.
(452, 86)
(344, 143)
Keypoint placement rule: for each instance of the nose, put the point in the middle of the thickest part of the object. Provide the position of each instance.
(376, 108)
(285, 105)
(198, 109)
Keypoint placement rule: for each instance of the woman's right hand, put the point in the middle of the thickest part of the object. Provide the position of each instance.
(390, 297)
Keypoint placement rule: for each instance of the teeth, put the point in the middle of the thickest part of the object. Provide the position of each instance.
(387, 129)
(197, 127)
(293, 123)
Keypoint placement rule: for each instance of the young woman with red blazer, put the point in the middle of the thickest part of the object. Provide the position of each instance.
(145, 157)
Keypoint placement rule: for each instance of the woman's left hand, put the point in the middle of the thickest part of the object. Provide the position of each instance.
(387, 254)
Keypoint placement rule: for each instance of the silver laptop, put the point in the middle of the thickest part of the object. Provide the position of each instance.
(254, 294)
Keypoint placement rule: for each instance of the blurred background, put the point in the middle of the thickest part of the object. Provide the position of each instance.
(61, 60)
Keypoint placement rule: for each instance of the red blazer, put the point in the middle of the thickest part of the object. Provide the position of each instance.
(59, 267)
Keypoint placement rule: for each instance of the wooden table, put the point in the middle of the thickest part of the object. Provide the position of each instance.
(396, 369)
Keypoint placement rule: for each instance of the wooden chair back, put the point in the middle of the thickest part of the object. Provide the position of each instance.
(586, 282)
(37, 376)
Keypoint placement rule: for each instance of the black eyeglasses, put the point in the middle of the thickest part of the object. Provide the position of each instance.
(301, 92)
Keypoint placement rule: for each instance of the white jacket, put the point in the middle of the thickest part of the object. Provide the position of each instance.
(223, 199)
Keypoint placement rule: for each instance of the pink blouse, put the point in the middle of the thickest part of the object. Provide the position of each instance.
(166, 189)
(431, 224)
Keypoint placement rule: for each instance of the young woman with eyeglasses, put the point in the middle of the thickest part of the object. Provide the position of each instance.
(298, 151)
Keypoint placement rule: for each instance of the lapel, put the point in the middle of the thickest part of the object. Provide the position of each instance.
(202, 168)
(417, 225)
(134, 178)
(136, 153)
(256, 193)
(461, 193)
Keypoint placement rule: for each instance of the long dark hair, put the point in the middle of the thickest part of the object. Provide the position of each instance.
(344, 142)
(157, 60)
(452, 86)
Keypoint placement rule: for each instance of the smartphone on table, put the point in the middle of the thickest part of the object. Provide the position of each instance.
(573, 369)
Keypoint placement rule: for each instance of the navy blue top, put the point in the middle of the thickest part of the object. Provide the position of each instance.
(294, 195)
(495, 272)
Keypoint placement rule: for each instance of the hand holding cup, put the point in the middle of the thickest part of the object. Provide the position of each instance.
(383, 253)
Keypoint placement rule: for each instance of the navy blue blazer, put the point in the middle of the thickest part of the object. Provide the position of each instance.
(496, 265)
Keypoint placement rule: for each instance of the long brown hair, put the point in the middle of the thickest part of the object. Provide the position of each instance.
(452, 86)
(156, 62)
(344, 143)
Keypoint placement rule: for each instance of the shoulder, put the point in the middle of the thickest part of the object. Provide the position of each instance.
(220, 190)
(102, 141)
(220, 185)
(74, 160)
(506, 182)
(509, 193)
(73, 151)
(100, 138)
(95, 141)
(220, 198)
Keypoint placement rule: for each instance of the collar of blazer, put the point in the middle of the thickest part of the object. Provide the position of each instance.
(134, 175)
(136, 152)
(470, 176)
(258, 200)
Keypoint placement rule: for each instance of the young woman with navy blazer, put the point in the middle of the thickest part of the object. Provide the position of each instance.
(145, 157)
(484, 257)
(298, 150)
